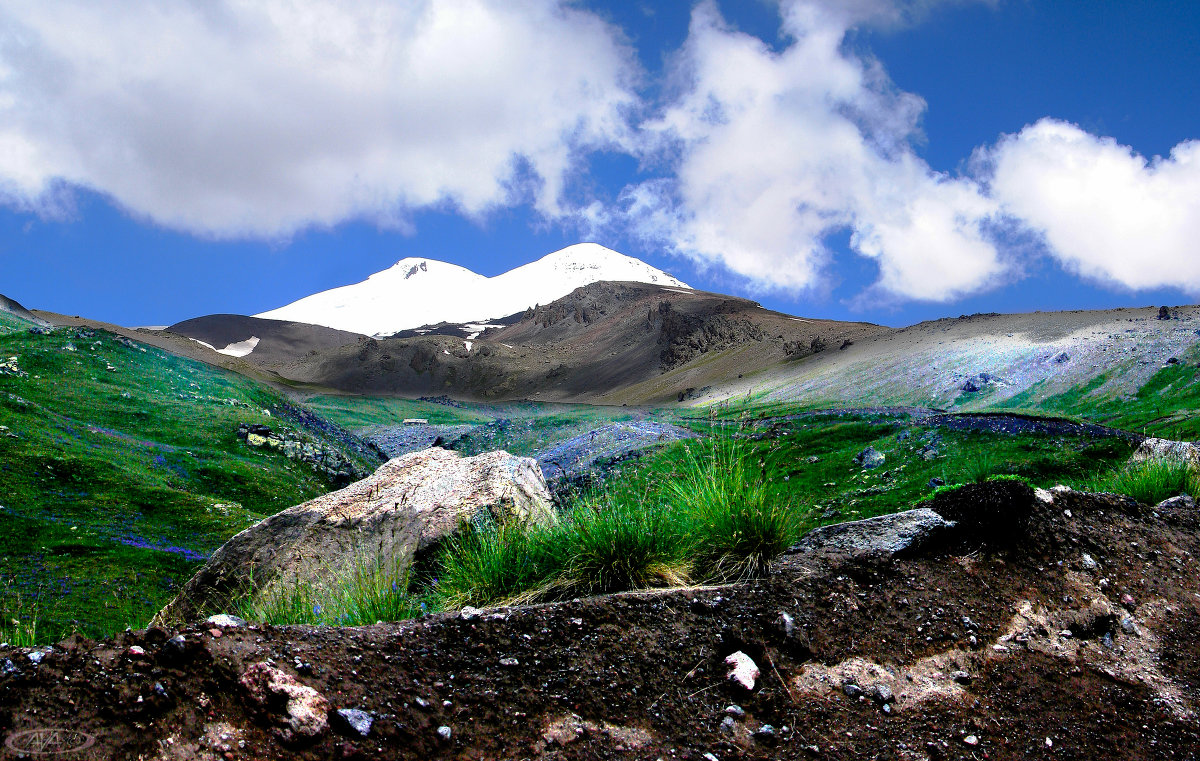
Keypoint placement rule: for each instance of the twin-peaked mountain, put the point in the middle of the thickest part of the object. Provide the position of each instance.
(582, 324)
(416, 292)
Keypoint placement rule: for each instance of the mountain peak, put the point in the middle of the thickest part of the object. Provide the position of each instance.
(419, 291)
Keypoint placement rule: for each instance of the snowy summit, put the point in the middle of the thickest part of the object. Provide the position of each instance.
(415, 292)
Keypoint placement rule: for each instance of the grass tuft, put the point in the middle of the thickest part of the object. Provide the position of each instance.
(1150, 482)
(371, 592)
(488, 564)
(610, 544)
(736, 525)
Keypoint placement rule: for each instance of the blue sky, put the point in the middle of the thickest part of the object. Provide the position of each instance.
(861, 159)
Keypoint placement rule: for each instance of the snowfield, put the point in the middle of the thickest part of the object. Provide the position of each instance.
(416, 292)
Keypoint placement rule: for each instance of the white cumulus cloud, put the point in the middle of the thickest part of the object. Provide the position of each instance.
(774, 151)
(260, 117)
(1105, 212)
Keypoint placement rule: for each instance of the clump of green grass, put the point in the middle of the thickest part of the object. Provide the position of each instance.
(19, 627)
(370, 592)
(979, 466)
(1150, 482)
(482, 565)
(735, 524)
(713, 519)
(610, 544)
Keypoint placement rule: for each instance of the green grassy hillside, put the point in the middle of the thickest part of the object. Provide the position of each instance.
(121, 469)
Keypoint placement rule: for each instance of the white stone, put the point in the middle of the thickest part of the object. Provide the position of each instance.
(742, 669)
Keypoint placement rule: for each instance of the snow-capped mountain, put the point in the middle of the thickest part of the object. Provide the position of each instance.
(416, 292)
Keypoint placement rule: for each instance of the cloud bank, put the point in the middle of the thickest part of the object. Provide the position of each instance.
(237, 118)
(1105, 212)
(774, 152)
(240, 119)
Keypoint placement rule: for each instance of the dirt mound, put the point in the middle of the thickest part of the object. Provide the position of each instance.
(1078, 641)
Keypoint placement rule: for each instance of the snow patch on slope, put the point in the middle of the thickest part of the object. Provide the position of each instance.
(239, 349)
(416, 292)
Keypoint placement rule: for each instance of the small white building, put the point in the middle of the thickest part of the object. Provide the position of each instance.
(416, 421)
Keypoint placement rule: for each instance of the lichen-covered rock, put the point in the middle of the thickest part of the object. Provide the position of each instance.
(405, 508)
(887, 534)
(1166, 450)
(298, 711)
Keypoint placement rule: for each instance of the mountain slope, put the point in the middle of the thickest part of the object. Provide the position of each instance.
(606, 342)
(416, 292)
(15, 316)
(121, 467)
(274, 343)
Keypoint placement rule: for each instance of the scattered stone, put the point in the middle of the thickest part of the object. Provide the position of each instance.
(8, 668)
(1128, 625)
(9, 367)
(765, 732)
(710, 757)
(445, 733)
(299, 711)
(356, 719)
(36, 657)
(786, 624)
(468, 613)
(869, 458)
(1128, 601)
(887, 534)
(881, 693)
(176, 647)
(1062, 358)
(1089, 563)
(1173, 361)
(1164, 313)
(812, 459)
(935, 482)
(137, 650)
(224, 619)
(960, 677)
(509, 662)
(928, 452)
(742, 670)
(852, 690)
(971, 740)
(735, 711)
(728, 724)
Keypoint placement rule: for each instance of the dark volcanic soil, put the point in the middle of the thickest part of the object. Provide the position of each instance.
(1076, 637)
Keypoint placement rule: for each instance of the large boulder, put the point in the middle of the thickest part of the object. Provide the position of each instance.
(1166, 450)
(404, 509)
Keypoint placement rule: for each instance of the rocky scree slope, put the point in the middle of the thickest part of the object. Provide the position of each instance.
(992, 360)
(1069, 633)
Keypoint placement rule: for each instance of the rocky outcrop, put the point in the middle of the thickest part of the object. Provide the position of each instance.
(587, 460)
(340, 469)
(402, 510)
(1165, 450)
(886, 534)
(685, 336)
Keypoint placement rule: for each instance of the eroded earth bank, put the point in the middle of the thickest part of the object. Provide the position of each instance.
(1056, 625)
